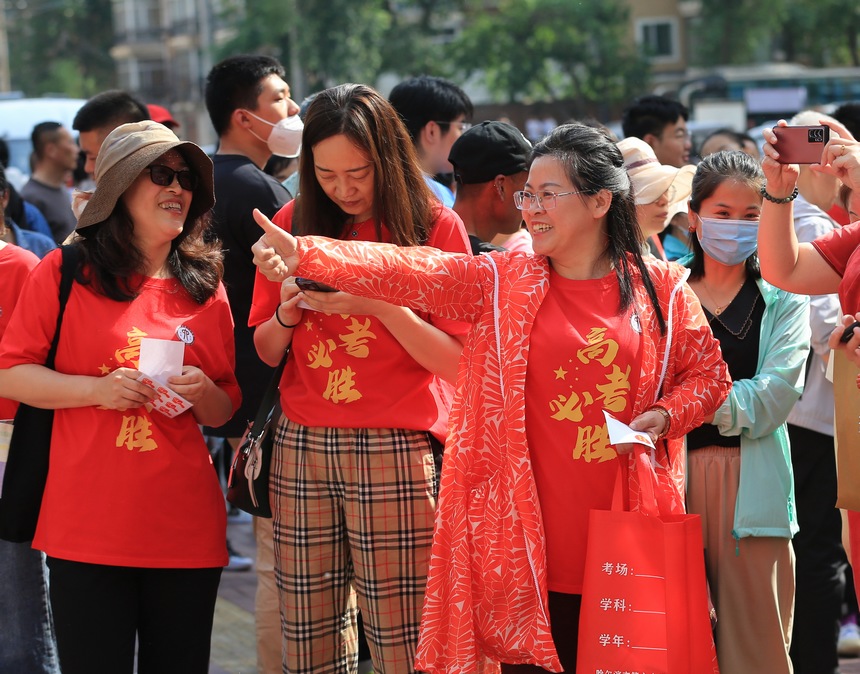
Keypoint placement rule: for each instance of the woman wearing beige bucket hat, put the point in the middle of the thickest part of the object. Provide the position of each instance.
(660, 191)
(132, 519)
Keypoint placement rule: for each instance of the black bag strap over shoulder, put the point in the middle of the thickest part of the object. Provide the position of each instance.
(67, 277)
(30, 446)
(248, 482)
(269, 399)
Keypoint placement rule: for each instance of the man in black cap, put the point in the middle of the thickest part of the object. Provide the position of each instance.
(490, 163)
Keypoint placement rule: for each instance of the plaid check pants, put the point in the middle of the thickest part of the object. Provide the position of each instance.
(353, 524)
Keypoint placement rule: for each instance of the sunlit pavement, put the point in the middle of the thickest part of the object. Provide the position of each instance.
(233, 644)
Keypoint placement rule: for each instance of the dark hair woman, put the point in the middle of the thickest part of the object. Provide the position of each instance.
(365, 407)
(133, 520)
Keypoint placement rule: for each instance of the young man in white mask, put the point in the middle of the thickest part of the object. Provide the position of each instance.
(250, 107)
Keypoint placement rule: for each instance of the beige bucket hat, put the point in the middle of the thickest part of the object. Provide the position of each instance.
(127, 151)
(650, 178)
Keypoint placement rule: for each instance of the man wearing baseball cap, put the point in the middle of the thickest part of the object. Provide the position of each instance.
(490, 163)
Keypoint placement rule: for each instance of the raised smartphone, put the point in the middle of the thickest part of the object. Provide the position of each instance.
(800, 144)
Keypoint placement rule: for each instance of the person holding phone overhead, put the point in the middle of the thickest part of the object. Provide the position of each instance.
(828, 264)
(132, 520)
(819, 555)
(364, 397)
(583, 325)
(740, 479)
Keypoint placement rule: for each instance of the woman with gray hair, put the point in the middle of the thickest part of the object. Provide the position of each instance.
(132, 518)
(582, 325)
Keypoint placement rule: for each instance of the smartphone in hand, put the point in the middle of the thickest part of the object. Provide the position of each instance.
(800, 144)
(849, 332)
(308, 284)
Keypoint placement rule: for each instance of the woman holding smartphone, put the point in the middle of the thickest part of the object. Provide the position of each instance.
(364, 396)
(828, 264)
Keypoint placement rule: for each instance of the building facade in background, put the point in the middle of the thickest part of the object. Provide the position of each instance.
(164, 48)
(163, 51)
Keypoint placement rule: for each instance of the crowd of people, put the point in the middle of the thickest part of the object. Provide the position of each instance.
(481, 301)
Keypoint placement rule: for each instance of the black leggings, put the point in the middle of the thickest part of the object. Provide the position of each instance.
(100, 610)
(564, 612)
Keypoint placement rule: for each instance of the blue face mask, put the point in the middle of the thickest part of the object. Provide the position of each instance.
(728, 241)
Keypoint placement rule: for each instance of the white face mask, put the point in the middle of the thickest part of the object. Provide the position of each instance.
(728, 241)
(286, 137)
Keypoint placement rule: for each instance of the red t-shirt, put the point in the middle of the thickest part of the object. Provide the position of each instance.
(15, 266)
(839, 214)
(132, 488)
(583, 358)
(841, 249)
(348, 371)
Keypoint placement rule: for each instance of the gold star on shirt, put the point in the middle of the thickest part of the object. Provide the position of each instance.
(309, 324)
(560, 373)
(104, 369)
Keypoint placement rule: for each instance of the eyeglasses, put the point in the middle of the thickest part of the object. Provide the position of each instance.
(546, 201)
(463, 126)
(163, 176)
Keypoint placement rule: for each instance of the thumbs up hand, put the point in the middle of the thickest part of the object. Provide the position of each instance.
(275, 252)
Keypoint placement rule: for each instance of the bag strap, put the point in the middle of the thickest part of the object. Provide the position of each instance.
(67, 277)
(653, 497)
(270, 397)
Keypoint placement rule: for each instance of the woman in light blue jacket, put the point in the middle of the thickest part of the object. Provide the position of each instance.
(739, 472)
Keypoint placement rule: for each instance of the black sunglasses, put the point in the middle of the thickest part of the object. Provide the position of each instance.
(163, 176)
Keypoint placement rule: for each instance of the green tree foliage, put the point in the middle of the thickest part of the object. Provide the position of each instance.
(263, 29)
(334, 41)
(342, 40)
(60, 46)
(736, 32)
(551, 49)
(419, 36)
(814, 32)
(822, 33)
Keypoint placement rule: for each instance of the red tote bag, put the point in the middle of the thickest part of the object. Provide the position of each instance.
(645, 605)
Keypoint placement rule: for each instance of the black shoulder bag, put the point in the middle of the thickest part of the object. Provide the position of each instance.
(30, 446)
(248, 483)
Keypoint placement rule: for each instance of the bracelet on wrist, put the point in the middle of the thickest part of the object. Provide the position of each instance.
(278, 318)
(666, 416)
(785, 200)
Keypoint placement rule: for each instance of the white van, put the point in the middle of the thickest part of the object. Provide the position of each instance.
(18, 116)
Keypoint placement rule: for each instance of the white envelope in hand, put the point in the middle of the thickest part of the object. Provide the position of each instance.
(161, 359)
(620, 432)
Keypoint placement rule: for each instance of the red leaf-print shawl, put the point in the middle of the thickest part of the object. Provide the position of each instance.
(486, 589)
